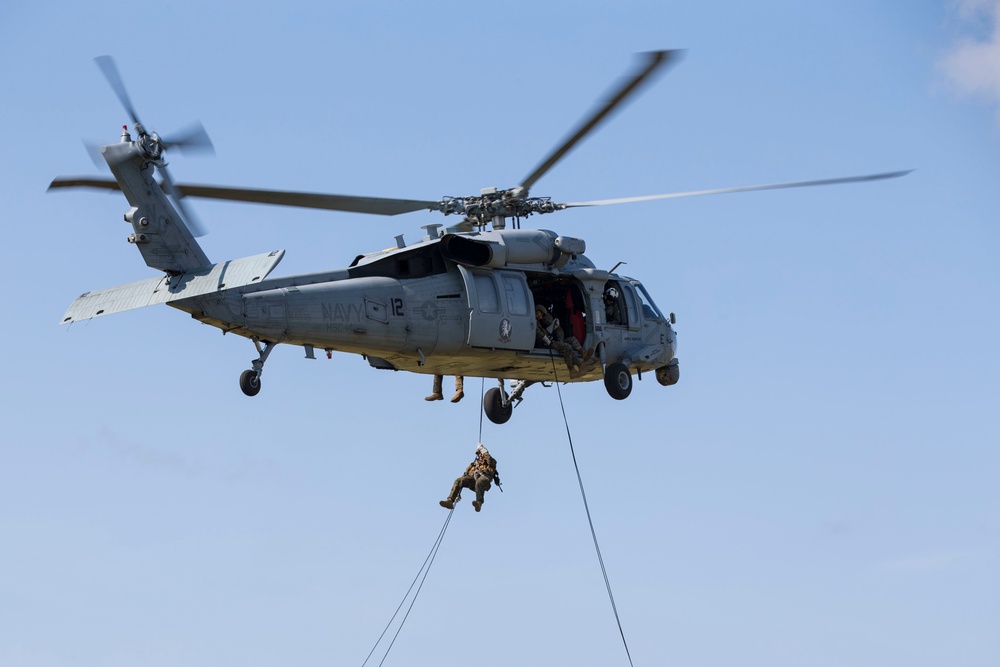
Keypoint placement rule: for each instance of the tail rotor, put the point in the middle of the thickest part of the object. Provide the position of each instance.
(191, 140)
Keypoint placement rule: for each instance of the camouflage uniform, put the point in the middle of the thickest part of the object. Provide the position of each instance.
(478, 477)
(548, 333)
(436, 394)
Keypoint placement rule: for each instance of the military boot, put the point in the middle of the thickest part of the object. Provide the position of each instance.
(478, 504)
(436, 393)
(447, 503)
(459, 392)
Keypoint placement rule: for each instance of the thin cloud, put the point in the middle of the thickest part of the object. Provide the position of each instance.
(138, 453)
(930, 562)
(972, 65)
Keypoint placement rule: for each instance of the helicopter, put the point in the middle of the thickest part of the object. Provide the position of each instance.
(460, 301)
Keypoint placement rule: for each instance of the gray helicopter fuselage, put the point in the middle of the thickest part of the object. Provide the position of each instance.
(457, 304)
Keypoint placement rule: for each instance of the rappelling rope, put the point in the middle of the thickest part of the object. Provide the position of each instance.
(424, 569)
(482, 408)
(422, 576)
(583, 493)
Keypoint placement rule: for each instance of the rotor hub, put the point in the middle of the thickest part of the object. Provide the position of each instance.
(495, 206)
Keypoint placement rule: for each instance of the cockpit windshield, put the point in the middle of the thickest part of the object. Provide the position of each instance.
(649, 309)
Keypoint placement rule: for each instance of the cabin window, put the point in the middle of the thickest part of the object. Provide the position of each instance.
(486, 291)
(517, 299)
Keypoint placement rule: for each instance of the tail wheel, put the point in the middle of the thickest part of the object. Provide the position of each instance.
(618, 380)
(493, 407)
(250, 383)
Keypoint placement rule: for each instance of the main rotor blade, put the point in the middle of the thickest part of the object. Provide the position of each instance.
(745, 188)
(651, 62)
(84, 182)
(110, 70)
(350, 203)
(169, 187)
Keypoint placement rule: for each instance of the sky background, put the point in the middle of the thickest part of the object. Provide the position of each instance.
(820, 487)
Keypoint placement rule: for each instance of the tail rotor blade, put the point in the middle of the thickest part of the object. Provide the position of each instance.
(193, 139)
(197, 229)
(94, 151)
(110, 70)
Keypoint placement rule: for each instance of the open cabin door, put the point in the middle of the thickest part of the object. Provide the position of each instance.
(500, 310)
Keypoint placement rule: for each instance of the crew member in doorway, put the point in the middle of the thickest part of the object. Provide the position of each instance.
(548, 333)
(478, 477)
(436, 394)
(613, 307)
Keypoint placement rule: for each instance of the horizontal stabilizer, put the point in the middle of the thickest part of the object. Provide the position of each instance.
(152, 291)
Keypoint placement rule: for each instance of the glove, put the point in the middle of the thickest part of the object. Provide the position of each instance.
(547, 340)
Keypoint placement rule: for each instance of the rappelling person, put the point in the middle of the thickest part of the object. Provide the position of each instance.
(437, 395)
(478, 477)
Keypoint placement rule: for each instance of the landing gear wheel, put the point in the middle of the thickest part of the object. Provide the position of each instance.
(493, 407)
(618, 380)
(250, 383)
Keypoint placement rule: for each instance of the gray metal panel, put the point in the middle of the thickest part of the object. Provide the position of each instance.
(161, 234)
(491, 324)
(214, 278)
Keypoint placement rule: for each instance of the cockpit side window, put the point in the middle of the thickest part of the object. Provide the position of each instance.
(629, 307)
(649, 309)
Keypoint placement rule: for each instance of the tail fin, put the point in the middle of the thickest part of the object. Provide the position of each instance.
(162, 236)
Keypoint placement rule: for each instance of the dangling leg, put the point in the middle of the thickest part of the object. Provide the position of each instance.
(482, 486)
(459, 392)
(575, 344)
(456, 491)
(581, 358)
(566, 351)
(436, 392)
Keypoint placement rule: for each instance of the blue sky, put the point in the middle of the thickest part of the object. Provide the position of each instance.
(819, 488)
